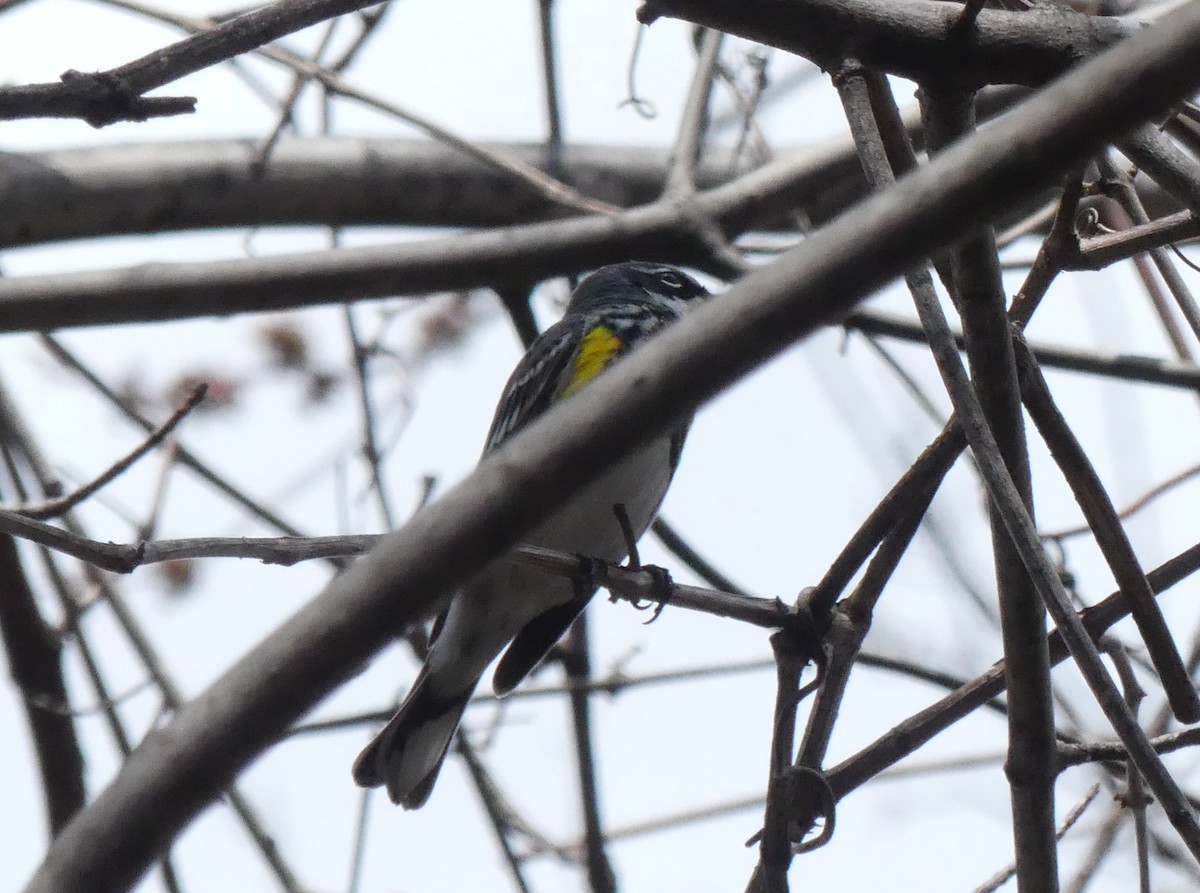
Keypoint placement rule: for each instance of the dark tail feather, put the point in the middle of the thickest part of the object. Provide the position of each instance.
(534, 642)
(408, 752)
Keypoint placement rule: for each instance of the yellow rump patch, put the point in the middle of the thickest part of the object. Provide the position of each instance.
(598, 349)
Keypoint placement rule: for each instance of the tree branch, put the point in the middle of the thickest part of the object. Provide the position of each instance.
(181, 767)
(980, 299)
(104, 97)
(34, 653)
(918, 40)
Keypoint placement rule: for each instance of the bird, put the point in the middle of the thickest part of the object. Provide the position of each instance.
(523, 611)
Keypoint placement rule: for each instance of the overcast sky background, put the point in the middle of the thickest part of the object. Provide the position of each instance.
(777, 474)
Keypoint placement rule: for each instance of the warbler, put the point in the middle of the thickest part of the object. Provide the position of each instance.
(610, 313)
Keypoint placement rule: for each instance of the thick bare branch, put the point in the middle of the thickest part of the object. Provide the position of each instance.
(979, 296)
(918, 40)
(182, 766)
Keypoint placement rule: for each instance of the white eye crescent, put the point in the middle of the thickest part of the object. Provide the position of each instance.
(670, 279)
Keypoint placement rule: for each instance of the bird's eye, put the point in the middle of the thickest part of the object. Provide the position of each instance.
(670, 279)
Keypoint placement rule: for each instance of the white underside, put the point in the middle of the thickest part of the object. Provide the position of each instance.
(493, 609)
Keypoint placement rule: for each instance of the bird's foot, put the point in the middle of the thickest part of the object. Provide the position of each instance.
(662, 587)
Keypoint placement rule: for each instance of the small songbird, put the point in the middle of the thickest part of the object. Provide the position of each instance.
(609, 314)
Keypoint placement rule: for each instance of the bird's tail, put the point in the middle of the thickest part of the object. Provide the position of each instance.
(408, 752)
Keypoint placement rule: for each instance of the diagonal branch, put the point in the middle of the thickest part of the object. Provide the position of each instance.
(1008, 502)
(181, 767)
(1110, 536)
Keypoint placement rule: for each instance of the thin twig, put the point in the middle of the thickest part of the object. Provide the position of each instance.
(576, 661)
(57, 350)
(629, 584)
(1120, 367)
(681, 176)
(1003, 877)
(616, 682)
(287, 108)
(674, 543)
(149, 526)
(499, 811)
(52, 508)
(370, 450)
(1135, 799)
(1113, 751)
(105, 97)
(916, 731)
(1142, 502)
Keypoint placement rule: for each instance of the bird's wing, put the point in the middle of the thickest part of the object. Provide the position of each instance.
(531, 390)
(534, 384)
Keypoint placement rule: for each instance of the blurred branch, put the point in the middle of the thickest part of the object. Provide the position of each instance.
(1133, 798)
(1120, 367)
(329, 78)
(218, 183)
(360, 357)
(553, 101)
(471, 260)
(1129, 212)
(185, 457)
(499, 812)
(694, 123)
(576, 660)
(674, 543)
(1003, 877)
(680, 188)
(334, 181)
(617, 681)
(1134, 507)
(370, 22)
(1174, 170)
(34, 653)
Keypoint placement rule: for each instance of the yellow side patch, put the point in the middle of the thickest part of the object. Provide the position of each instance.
(598, 349)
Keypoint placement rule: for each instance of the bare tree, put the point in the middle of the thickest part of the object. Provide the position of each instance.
(1066, 133)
